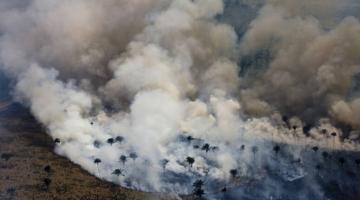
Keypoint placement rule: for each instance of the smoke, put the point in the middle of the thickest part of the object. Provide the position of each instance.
(156, 72)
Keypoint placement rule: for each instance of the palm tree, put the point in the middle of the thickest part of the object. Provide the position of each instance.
(319, 167)
(133, 155)
(57, 140)
(324, 132)
(325, 155)
(206, 147)
(147, 163)
(111, 141)
(199, 192)
(118, 172)
(47, 168)
(189, 138)
(190, 160)
(333, 134)
(254, 149)
(6, 156)
(96, 144)
(198, 183)
(97, 161)
(47, 182)
(276, 148)
(214, 149)
(119, 139)
(315, 149)
(357, 162)
(163, 163)
(233, 173)
(242, 148)
(123, 159)
(342, 161)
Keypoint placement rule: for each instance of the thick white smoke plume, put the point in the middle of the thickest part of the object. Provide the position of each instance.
(155, 72)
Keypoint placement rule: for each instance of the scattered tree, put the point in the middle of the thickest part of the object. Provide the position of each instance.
(233, 173)
(163, 163)
(133, 155)
(147, 163)
(315, 149)
(342, 161)
(333, 134)
(47, 182)
(199, 192)
(10, 191)
(118, 172)
(111, 141)
(214, 149)
(96, 144)
(190, 160)
(97, 161)
(47, 168)
(6, 156)
(189, 138)
(198, 183)
(206, 147)
(276, 148)
(119, 139)
(242, 148)
(57, 140)
(325, 155)
(254, 149)
(318, 167)
(123, 159)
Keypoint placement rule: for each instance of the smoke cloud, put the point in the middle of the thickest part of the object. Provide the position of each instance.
(157, 72)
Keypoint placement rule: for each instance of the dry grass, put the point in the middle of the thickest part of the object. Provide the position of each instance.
(22, 176)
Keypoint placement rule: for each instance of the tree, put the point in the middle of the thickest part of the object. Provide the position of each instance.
(254, 149)
(119, 139)
(123, 159)
(315, 149)
(324, 132)
(233, 173)
(318, 167)
(190, 160)
(342, 161)
(6, 156)
(118, 172)
(47, 182)
(242, 148)
(206, 147)
(133, 155)
(214, 149)
(111, 141)
(223, 190)
(294, 127)
(57, 140)
(147, 163)
(199, 192)
(325, 155)
(357, 162)
(163, 163)
(196, 146)
(198, 183)
(276, 148)
(96, 144)
(333, 134)
(189, 138)
(47, 168)
(97, 161)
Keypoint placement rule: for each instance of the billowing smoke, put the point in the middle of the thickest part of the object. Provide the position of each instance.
(169, 76)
